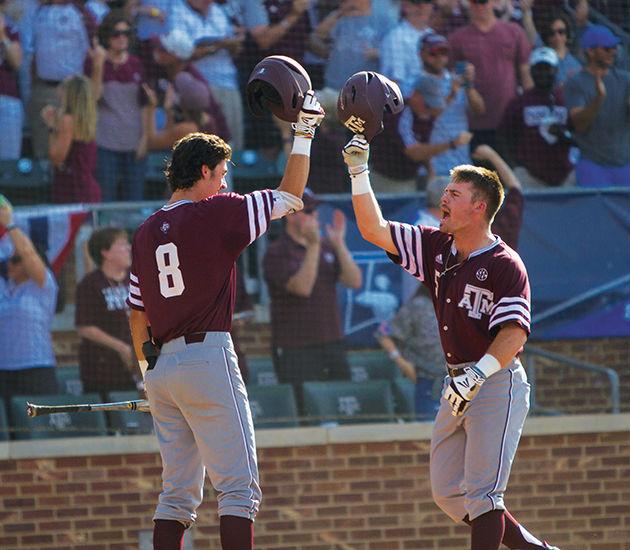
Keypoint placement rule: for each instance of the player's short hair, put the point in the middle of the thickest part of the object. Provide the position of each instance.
(191, 153)
(103, 239)
(486, 184)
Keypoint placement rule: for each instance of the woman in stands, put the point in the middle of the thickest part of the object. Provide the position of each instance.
(72, 143)
(28, 297)
(117, 78)
(557, 36)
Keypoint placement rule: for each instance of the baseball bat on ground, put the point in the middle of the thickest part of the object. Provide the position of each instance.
(141, 405)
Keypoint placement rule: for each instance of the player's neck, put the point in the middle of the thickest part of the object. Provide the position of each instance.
(194, 193)
(471, 240)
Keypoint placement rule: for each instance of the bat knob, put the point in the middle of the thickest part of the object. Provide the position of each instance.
(30, 410)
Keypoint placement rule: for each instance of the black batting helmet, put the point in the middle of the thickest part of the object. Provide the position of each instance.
(277, 83)
(364, 98)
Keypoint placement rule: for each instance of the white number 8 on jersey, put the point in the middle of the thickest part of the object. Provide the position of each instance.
(168, 264)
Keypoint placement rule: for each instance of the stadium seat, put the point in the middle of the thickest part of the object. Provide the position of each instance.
(25, 181)
(69, 380)
(60, 424)
(261, 371)
(371, 365)
(128, 422)
(273, 406)
(349, 402)
(4, 424)
(253, 170)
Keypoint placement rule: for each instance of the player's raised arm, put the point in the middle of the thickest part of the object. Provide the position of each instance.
(296, 171)
(373, 227)
(363, 100)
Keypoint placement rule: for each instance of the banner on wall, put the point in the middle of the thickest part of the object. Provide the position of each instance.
(51, 228)
(571, 242)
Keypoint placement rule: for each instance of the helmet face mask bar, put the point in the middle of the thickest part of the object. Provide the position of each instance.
(363, 100)
(277, 84)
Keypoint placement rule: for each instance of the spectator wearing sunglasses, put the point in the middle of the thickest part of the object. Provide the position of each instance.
(121, 131)
(556, 35)
(598, 99)
(302, 270)
(28, 298)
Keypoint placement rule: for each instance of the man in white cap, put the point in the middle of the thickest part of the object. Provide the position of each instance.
(534, 128)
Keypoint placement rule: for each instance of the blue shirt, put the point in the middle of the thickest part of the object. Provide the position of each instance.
(218, 69)
(26, 313)
(351, 37)
(60, 41)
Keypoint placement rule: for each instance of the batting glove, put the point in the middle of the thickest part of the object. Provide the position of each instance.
(356, 154)
(309, 117)
(463, 388)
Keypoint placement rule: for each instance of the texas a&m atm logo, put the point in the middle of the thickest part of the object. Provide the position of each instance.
(477, 301)
(355, 124)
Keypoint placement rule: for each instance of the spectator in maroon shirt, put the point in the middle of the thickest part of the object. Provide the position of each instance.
(117, 78)
(302, 270)
(11, 112)
(106, 358)
(499, 51)
(72, 142)
(534, 128)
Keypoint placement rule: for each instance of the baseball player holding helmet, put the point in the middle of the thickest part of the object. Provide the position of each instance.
(182, 298)
(480, 292)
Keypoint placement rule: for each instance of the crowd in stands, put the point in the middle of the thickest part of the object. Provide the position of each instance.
(533, 89)
(95, 86)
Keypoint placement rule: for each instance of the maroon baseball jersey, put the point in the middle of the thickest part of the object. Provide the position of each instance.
(473, 298)
(182, 273)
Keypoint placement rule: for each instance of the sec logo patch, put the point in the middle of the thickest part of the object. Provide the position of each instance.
(482, 274)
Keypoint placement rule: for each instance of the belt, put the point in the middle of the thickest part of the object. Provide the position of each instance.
(453, 372)
(194, 337)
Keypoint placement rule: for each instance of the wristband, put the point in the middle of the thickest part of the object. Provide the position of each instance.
(394, 354)
(488, 365)
(301, 146)
(144, 365)
(361, 183)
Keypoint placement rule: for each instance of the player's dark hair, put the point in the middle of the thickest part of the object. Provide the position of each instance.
(191, 153)
(103, 239)
(486, 184)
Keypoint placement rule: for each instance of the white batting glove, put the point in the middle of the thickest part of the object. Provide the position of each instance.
(356, 154)
(309, 117)
(463, 388)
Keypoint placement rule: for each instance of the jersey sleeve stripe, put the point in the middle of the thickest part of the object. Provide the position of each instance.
(500, 310)
(511, 300)
(133, 278)
(135, 302)
(263, 212)
(250, 217)
(408, 242)
(133, 289)
(510, 317)
(268, 198)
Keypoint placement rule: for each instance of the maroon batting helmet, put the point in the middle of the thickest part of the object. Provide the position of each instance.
(277, 83)
(364, 98)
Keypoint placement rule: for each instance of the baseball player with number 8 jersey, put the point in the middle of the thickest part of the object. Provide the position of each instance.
(480, 292)
(181, 294)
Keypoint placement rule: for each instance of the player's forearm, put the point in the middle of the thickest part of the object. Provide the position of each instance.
(138, 326)
(372, 226)
(295, 174)
(510, 339)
